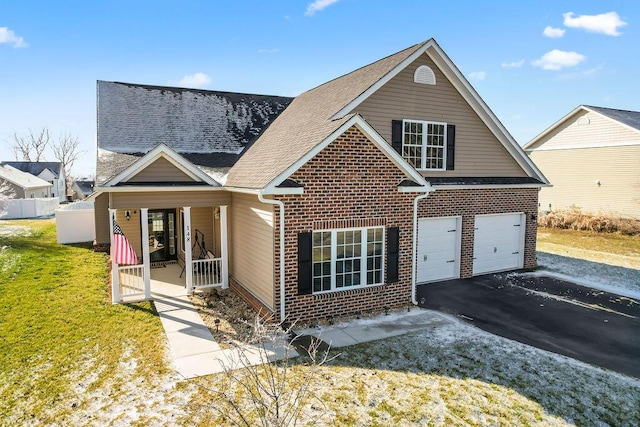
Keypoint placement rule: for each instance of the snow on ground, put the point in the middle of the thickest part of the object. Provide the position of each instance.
(458, 367)
(14, 230)
(609, 278)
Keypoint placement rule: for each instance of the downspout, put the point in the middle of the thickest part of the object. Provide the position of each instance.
(415, 246)
(282, 266)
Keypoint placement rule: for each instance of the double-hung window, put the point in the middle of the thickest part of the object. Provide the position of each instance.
(347, 258)
(424, 144)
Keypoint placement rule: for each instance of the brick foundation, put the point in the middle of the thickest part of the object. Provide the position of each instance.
(101, 247)
(262, 310)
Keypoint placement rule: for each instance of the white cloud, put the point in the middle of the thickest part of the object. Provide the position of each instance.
(554, 33)
(276, 50)
(605, 23)
(8, 36)
(515, 64)
(558, 59)
(318, 5)
(195, 80)
(478, 75)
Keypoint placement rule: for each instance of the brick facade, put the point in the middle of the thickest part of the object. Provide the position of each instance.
(350, 183)
(472, 202)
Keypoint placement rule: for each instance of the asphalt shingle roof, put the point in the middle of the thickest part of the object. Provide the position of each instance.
(36, 168)
(629, 118)
(306, 123)
(20, 178)
(86, 187)
(211, 129)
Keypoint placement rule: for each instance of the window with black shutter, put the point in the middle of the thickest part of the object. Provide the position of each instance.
(393, 250)
(424, 145)
(305, 263)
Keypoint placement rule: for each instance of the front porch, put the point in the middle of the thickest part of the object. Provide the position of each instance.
(190, 267)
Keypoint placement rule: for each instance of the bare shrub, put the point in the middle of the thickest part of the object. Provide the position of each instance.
(256, 390)
(574, 219)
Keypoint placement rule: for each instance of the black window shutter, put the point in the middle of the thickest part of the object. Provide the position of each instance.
(393, 248)
(396, 135)
(305, 263)
(451, 146)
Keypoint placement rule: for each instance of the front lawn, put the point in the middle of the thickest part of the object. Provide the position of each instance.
(607, 248)
(70, 357)
(60, 336)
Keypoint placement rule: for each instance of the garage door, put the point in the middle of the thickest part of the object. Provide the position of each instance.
(498, 243)
(438, 249)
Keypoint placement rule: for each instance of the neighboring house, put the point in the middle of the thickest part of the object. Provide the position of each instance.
(23, 185)
(592, 158)
(81, 189)
(392, 175)
(52, 172)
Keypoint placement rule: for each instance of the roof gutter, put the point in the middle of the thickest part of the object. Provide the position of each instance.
(280, 204)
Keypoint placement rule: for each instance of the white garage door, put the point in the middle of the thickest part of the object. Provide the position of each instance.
(498, 243)
(438, 249)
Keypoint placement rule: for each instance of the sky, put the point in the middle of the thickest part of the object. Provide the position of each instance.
(531, 61)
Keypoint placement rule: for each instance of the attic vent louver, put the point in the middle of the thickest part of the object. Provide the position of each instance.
(424, 75)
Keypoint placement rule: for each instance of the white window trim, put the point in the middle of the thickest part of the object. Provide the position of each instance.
(363, 258)
(423, 160)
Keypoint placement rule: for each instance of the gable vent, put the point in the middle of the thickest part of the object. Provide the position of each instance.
(424, 75)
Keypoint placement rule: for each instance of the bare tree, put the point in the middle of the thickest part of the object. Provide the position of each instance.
(258, 391)
(31, 147)
(66, 150)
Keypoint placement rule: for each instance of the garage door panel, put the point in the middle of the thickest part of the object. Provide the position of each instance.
(438, 249)
(498, 243)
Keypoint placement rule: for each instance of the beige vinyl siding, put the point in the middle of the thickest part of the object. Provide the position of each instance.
(160, 170)
(170, 199)
(101, 215)
(252, 250)
(477, 152)
(153, 200)
(587, 129)
(574, 174)
(202, 220)
(131, 229)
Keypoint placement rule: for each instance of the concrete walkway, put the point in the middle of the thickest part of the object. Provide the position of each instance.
(358, 331)
(196, 353)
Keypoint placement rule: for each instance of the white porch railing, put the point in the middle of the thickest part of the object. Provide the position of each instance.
(131, 281)
(207, 273)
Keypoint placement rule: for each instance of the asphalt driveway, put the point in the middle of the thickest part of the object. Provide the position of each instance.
(593, 326)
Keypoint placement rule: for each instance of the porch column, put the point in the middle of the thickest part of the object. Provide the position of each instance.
(115, 285)
(146, 259)
(188, 267)
(224, 246)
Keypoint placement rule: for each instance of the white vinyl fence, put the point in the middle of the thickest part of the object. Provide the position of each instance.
(30, 208)
(75, 223)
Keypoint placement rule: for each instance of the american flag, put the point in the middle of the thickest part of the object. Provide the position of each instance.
(122, 252)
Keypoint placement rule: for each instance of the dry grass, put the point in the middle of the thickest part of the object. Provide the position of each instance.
(574, 219)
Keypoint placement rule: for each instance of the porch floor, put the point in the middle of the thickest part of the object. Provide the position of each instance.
(194, 350)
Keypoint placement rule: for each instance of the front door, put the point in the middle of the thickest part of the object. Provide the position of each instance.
(162, 235)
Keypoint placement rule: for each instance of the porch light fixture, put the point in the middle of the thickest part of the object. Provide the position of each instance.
(127, 215)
